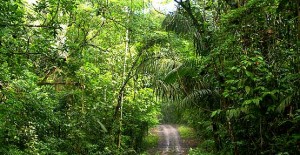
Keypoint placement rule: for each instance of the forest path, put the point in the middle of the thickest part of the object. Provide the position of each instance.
(170, 141)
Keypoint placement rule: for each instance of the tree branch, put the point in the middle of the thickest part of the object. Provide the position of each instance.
(28, 25)
(59, 83)
(25, 53)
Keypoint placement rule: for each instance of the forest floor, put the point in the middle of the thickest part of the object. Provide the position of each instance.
(170, 142)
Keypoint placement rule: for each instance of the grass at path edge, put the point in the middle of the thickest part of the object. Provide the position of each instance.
(150, 141)
(186, 132)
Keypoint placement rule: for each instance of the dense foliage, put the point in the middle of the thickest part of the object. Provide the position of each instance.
(241, 92)
(63, 64)
(92, 76)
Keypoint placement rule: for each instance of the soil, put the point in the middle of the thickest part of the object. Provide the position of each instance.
(170, 142)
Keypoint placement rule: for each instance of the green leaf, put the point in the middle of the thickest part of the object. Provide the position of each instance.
(233, 113)
(249, 74)
(247, 89)
(214, 113)
(256, 101)
(102, 126)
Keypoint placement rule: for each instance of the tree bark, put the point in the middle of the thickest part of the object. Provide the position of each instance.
(233, 140)
(121, 95)
(218, 144)
(298, 10)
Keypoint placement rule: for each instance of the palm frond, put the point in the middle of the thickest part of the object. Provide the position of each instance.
(174, 74)
(195, 98)
(187, 68)
(188, 25)
(177, 23)
(167, 91)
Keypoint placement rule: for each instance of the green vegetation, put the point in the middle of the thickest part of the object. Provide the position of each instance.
(150, 141)
(92, 76)
(199, 152)
(186, 132)
(69, 77)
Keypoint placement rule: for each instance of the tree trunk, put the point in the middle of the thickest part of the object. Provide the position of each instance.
(218, 144)
(123, 83)
(232, 136)
(298, 10)
(260, 134)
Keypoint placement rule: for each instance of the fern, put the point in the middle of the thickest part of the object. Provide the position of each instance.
(284, 103)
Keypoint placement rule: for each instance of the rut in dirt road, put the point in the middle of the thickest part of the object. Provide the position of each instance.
(169, 143)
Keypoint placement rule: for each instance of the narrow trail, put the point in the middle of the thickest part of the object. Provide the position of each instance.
(170, 142)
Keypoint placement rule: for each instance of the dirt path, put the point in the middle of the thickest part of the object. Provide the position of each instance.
(170, 142)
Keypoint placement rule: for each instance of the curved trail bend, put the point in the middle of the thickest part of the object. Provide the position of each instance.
(170, 142)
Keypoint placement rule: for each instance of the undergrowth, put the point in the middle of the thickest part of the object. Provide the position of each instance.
(186, 132)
